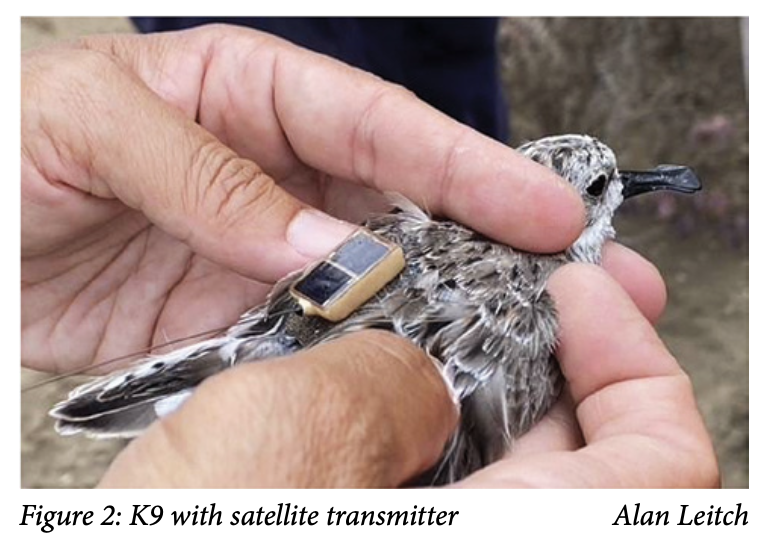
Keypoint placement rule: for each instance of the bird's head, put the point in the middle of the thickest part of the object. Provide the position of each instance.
(590, 166)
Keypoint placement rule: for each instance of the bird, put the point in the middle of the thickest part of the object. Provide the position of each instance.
(479, 307)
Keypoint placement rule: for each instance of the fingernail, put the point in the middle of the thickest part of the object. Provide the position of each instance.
(315, 234)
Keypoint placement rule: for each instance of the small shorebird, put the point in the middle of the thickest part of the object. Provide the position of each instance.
(478, 306)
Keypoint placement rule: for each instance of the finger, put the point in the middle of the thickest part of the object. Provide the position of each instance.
(634, 404)
(392, 141)
(349, 124)
(369, 410)
(559, 430)
(588, 334)
(638, 277)
(123, 141)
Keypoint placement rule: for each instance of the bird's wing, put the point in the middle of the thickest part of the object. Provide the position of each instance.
(122, 404)
(126, 402)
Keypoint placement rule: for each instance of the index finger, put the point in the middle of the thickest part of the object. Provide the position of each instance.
(354, 126)
(275, 98)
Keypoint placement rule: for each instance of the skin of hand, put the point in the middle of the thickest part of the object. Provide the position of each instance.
(168, 180)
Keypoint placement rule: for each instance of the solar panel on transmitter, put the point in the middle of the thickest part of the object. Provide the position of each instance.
(349, 276)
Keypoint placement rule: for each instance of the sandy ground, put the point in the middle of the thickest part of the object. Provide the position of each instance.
(705, 326)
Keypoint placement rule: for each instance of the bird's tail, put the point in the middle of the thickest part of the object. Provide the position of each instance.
(123, 404)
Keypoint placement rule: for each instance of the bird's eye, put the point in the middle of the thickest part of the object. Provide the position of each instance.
(597, 187)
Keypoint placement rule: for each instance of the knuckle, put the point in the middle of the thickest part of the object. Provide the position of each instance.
(69, 73)
(446, 174)
(225, 187)
(363, 136)
(221, 38)
(66, 93)
(221, 31)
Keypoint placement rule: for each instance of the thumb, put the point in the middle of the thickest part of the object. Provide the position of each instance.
(133, 146)
(367, 410)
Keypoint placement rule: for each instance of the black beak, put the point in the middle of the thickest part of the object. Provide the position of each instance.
(665, 177)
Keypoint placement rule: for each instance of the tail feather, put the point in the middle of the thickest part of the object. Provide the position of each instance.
(125, 403)
(126, 423)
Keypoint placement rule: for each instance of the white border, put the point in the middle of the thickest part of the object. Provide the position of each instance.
(501, 515)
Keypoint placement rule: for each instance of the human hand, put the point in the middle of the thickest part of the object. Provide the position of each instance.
(628, 416)
(163, 174)
(367, 410)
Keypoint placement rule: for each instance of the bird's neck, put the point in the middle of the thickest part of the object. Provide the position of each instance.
(588, 247)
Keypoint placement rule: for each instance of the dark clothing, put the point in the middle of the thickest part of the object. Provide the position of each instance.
(451, 63)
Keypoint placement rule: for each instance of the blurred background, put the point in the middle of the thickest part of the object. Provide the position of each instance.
(657, 90)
